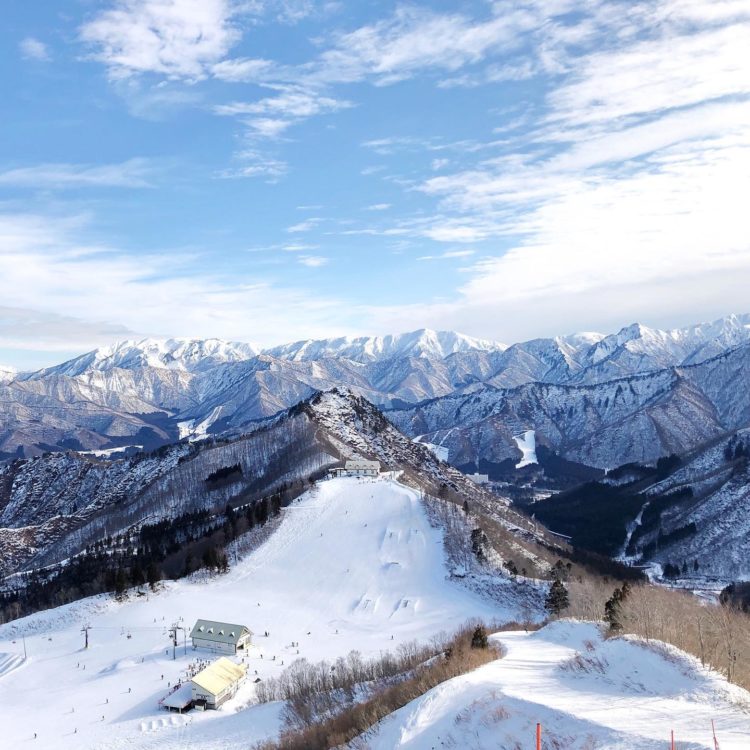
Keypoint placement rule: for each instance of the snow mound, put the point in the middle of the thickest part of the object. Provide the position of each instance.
(585, 691)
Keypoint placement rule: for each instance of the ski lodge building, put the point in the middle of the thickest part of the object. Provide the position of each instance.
(217, 683)
(358, 468)
(223, 637)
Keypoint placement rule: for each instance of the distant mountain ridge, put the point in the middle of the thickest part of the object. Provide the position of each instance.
(155, 391)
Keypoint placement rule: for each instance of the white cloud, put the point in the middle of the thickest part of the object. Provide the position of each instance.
(296, 247)
(271, 116)
(48, 275)
(415, 39)
(304, 226)
(33, 49)
(255, 164)
(134, 173)
(243, 70)
(378, 207)
(623, 200)
(174, 38)
(448, 254)
(313, 261)
(683, 69)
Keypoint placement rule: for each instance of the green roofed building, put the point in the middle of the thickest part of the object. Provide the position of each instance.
(223, 637)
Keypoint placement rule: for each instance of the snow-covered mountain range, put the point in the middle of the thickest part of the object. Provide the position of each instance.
(598, 399)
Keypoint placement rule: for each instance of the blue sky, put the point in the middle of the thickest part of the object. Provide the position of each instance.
(269, 170)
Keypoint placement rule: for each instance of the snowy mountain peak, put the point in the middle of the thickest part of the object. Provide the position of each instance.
(421, 343)
(7, 374)
(174, 354)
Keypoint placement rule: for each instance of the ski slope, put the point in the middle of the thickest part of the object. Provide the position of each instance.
(353, 564)
(615, 695)
(526, 443)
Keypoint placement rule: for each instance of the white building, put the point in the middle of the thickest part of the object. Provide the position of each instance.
(358, 467)
(217, 683)
(223, 637)
(479, 478)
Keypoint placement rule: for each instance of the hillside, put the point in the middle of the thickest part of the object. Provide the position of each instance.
(637, 418)
(54, 506)
(353, 564)
(587, 692)
(687, 518)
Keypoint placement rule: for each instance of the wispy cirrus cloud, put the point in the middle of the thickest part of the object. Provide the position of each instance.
(448, 254)
(304, 226)
(270, 116)
(622, 192)
(254, 163)
(133, 173)
(313, 261)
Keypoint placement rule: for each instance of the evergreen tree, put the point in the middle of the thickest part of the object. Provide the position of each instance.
(136, 575)
(613, 607)
(153, 575)
(557, 598)
(121, 581)
(479, 637)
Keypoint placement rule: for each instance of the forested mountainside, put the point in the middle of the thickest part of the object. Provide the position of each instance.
(55, 506)
(637, 418)
(689, 515)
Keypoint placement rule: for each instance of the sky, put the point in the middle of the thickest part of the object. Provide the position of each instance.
(272, 170)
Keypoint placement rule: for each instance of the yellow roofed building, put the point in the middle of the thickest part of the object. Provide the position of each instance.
(217, 683)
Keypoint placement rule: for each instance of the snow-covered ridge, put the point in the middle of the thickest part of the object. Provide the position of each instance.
(421, 343)
(585, 691)
(565, 356)
(174, 354)
(153, 384)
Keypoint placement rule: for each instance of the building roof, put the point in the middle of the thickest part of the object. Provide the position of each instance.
(219, 675)
(219, 632)
(362, 464)
(179, 698)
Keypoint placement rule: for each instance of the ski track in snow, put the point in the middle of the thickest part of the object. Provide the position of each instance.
(631, 703)
(352, 564)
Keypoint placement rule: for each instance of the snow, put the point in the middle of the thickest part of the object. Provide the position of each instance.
(586, 692)
(354, 564)
(421, 343)
(439, 451)
(197, 430)
(104, 452)
(526, 443)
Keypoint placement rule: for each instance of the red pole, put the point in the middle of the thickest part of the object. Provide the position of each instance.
(713, 729)
(673, 739)
(538, 737)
